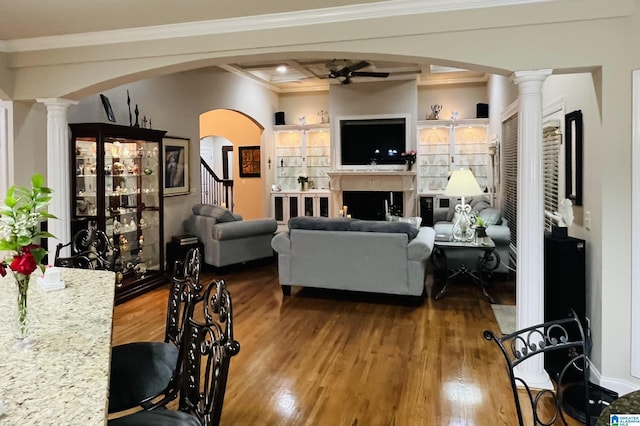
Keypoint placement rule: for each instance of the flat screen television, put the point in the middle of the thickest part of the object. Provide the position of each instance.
(363, 140)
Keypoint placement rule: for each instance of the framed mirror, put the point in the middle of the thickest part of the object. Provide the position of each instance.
(573, 156)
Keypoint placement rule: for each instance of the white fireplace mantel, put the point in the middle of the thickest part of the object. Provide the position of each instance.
(374, 180)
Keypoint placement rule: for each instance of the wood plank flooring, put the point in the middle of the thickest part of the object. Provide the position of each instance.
(332, 358)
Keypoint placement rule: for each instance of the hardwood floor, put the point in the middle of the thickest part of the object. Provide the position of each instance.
(332, 358)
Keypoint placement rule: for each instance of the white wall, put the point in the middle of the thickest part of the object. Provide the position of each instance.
(461, 98)
(174, 103)
(578, 93)
(308, 104)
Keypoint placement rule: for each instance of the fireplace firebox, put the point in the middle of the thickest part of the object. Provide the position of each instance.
(370, 205)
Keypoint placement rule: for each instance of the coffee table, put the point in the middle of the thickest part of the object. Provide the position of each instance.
(487, 261)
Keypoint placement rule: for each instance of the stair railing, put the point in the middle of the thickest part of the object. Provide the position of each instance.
(215, 190)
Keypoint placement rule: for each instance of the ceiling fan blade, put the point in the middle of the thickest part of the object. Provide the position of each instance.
(369, 74)
(357, 66)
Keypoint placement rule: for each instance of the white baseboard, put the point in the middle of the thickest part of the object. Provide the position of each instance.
(621, 386)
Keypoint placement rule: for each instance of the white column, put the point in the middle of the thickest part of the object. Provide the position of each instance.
(58, 171)
(530, 271)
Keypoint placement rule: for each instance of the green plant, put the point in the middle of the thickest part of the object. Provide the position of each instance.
(480, 222)
(20, 216)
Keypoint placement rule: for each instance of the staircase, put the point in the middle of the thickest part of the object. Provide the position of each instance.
(215, 190)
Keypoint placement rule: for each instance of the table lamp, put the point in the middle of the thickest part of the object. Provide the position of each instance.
(462, 184)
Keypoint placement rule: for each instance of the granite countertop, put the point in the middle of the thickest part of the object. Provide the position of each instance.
(63, 377)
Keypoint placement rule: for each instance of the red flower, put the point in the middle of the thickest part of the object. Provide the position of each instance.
(24, 264)
(3, 270)
(27, 249)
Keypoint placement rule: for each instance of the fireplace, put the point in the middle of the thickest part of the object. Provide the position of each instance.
(370, 205)
(369, 190)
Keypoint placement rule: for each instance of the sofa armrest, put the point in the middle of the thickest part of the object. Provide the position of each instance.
(422, 245)
(499, 234)
(244, 229)
(281, 243)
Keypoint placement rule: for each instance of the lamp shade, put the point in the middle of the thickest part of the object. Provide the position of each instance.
(462, 183)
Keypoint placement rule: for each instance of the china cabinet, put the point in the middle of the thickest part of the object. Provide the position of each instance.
(302, 150)
(446, 145)
(116, 185)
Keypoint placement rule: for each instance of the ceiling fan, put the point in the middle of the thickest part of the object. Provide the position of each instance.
(343, 70)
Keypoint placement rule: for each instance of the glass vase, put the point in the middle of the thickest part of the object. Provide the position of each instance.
(21, 324)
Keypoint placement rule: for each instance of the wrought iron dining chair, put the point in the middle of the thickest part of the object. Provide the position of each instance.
(149, 374)
(207, 348)
(90, 249)
(564, 336)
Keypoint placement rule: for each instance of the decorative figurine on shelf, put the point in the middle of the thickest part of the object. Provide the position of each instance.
(116, 226)
(129, 105)
(141, 240)
(435, 112)
(137, 112)
(144, 121)
(324, 116)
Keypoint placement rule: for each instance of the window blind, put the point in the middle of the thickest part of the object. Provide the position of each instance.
(551, 139)
(510, 179)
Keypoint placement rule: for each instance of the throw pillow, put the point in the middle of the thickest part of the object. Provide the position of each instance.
(221, 214)
(491, 216)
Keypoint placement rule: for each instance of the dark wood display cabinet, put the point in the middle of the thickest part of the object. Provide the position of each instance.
(116, 185)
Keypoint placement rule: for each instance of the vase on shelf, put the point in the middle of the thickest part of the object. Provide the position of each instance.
(20, 320)
(409, 165)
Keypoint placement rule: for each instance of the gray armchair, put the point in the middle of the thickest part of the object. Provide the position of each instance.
(227, 238)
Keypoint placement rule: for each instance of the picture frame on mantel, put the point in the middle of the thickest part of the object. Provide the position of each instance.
(175, 160)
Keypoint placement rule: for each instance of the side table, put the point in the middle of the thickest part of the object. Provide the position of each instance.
(176, 251)
(488, 260)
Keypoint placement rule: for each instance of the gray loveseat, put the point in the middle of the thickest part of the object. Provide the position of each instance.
(227, 238)
(497, 229)
(351, 254)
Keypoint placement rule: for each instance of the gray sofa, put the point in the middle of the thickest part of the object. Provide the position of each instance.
(227, 238)
(351, 254)
(497, 229)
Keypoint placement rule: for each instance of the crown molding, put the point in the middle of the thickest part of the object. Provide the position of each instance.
(381, 9)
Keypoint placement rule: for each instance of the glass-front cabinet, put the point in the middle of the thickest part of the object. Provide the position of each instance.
(116, 185)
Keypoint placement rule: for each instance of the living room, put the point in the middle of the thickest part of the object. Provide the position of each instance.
(601, 89)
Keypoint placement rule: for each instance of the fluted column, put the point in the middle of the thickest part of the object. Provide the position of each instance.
(58, 171)
(530, 271)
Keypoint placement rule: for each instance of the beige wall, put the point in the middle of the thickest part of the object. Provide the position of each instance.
(566, 35)
(241, 130)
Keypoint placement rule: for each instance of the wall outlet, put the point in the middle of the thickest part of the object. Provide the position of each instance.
(587, 220)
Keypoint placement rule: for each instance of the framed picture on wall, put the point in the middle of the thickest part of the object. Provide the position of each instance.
(175, 160)
(249, 161)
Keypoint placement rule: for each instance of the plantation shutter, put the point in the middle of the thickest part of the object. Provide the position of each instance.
(510, 178)
(551, 138)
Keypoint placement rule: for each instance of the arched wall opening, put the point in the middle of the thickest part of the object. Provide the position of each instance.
(242, 131)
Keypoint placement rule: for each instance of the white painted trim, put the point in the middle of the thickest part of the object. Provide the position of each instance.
(635, 228)
(6, 146)
(383, 9)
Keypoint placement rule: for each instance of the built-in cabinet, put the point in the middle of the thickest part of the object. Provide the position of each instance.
(446, 145)
(302, 150)
(288, 204)
(116, 186)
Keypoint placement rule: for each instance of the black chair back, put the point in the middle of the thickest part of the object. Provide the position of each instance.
(90, 249)
(210, 346)
(565, 336)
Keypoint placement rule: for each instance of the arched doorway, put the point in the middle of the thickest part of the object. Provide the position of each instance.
(242, 131)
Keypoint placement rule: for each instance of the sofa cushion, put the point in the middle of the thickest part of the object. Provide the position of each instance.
(221, 214)
(491, 216)
(320, 223)
(382, 226)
